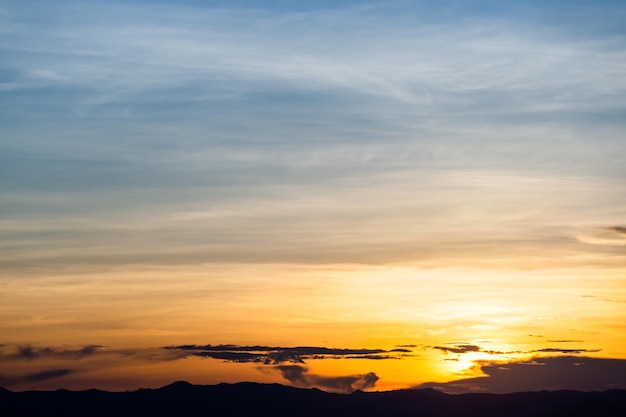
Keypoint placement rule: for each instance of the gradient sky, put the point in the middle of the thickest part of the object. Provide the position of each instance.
(343, 195)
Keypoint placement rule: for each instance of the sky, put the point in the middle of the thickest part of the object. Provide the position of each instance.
(339, 195)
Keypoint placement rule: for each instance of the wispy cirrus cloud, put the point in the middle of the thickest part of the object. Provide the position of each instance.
(603, 235)
(146, 101)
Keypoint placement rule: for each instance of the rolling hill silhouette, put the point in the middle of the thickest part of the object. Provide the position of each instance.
(246, 399)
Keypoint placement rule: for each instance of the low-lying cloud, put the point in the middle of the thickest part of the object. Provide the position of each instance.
(48, 374)
(7, 381)
(541, 373)
(300, 377)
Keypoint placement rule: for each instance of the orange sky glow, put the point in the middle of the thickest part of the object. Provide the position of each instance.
(347, 195)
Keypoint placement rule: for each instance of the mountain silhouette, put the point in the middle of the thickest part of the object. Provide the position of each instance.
(248, 399)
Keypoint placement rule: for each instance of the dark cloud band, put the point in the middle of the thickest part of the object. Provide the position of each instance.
(278, 355)
(467, 348)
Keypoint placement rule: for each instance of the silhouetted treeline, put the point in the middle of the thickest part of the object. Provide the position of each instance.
(251, 399)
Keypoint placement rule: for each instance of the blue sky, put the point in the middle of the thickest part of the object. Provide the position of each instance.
(307, 111)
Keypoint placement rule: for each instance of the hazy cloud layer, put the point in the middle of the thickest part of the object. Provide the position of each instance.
(28, 352)
(565, 341)
(541, 373)
(299, 376)
(7, 381)
(269, 355)
(92, 358)
(569, 351)
(618, 229)
(49, 374)
(88, 355)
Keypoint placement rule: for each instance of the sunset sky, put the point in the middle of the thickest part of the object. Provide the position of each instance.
(336, 194)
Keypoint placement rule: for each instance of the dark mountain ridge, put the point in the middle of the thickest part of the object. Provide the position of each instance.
(245, 399)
